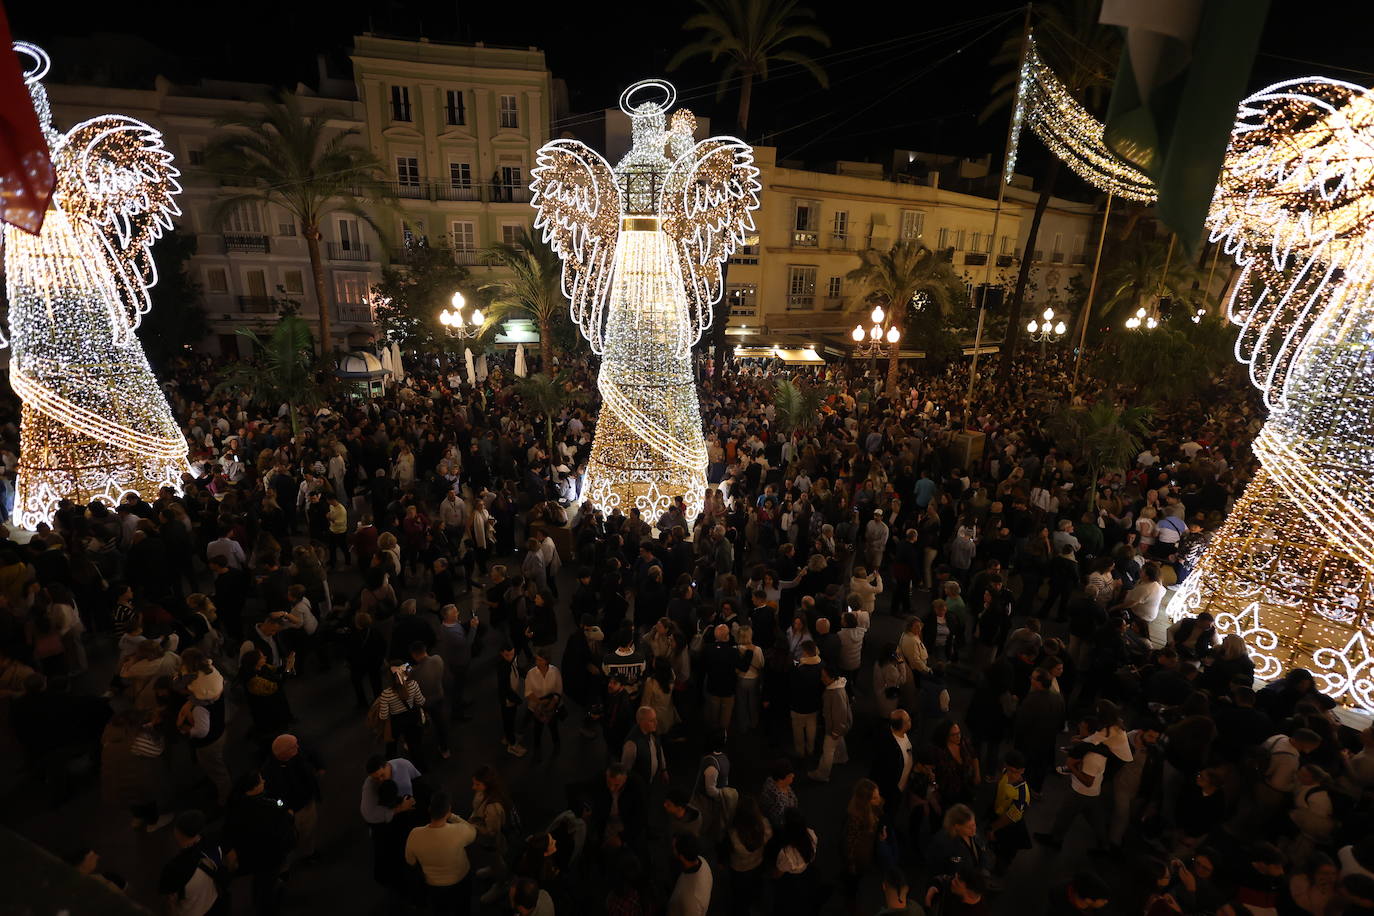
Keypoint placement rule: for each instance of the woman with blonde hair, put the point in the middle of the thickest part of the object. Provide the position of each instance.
(748, 685)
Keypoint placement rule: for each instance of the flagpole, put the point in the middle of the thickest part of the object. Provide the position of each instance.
(1092, 289)
(1002, 179)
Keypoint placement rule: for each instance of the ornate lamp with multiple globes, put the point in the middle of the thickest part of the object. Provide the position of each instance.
(95, 424)
(643, 246)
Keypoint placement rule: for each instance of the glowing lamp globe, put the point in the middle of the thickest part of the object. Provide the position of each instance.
(893, 335)
(857, 334)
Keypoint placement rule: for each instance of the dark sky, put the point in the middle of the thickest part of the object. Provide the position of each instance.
(912, 75)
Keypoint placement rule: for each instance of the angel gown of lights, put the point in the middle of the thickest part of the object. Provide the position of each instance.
(643, 246)
(95, 424)
(1292, 569)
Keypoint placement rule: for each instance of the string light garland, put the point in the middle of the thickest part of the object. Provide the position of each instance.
(1047, 107)
(643, 246)
(1292, 568)
(95, 425)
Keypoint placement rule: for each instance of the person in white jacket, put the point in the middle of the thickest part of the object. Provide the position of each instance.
(867, 586)
(851, 639)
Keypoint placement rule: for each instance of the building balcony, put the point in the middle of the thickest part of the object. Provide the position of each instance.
(1057, 258)
(744, 307)
(257, 305)
(356, 312)
(468, 257)
(832, 303)
(842, 241)
(1005, 260)
(801, 303)
(975, 258)
(803, 238)
(745, 254)
(945, 254)
(354, 251)
(411, 190)
(1039, 255)
(510, 194)
(453, 191)
(258, 244)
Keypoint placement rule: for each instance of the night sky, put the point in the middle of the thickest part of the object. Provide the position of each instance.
(914, 80)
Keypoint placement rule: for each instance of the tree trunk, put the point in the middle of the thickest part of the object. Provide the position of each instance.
(718, 341)
(312, 245)
(746, 93)
(1027, 255)
(546, 345)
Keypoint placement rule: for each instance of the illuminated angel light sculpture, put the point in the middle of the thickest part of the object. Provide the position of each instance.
(1292, 569)
(95, 424)
(643, 246)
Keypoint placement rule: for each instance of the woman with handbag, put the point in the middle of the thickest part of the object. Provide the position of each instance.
(544, 699)
(401, 707)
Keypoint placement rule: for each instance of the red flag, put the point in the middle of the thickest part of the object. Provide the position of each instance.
(26, 174)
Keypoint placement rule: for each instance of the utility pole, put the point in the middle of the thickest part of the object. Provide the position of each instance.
(1092, 288)
(1002, 179)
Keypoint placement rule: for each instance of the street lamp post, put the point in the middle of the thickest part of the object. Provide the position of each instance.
(868, 344)
(1046, 330)
(455, 325)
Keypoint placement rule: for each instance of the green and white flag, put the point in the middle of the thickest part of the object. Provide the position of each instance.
(1184, 69)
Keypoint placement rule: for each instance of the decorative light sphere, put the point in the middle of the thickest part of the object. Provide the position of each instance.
(878, 314)
(1032, 326)
(1048, 315)
(893, 335)
(477, 318)
(1060, 328)
(458, 301)
(857, 333)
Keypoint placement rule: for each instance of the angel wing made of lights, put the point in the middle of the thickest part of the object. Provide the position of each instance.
(706, 206)
(1294, 207)
(115, 175)
(577, 201)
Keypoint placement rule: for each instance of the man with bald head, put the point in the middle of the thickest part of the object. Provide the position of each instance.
(722, 662)
(292, 774)
(893, 761)
(642, 753)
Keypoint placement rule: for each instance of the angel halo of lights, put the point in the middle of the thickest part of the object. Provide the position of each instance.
(643, 245)
(1292, 569)
(95, 425)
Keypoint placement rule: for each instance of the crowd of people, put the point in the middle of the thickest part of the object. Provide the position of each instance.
(925, 604)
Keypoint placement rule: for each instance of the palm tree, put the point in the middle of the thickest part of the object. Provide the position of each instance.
(1144, 268)
(535, 287)
(277, 154)
(282, 370)
(543, 395)
(1084, 55)
(1103, 435)
(893, 278)
(798, 406)
(750, 35)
